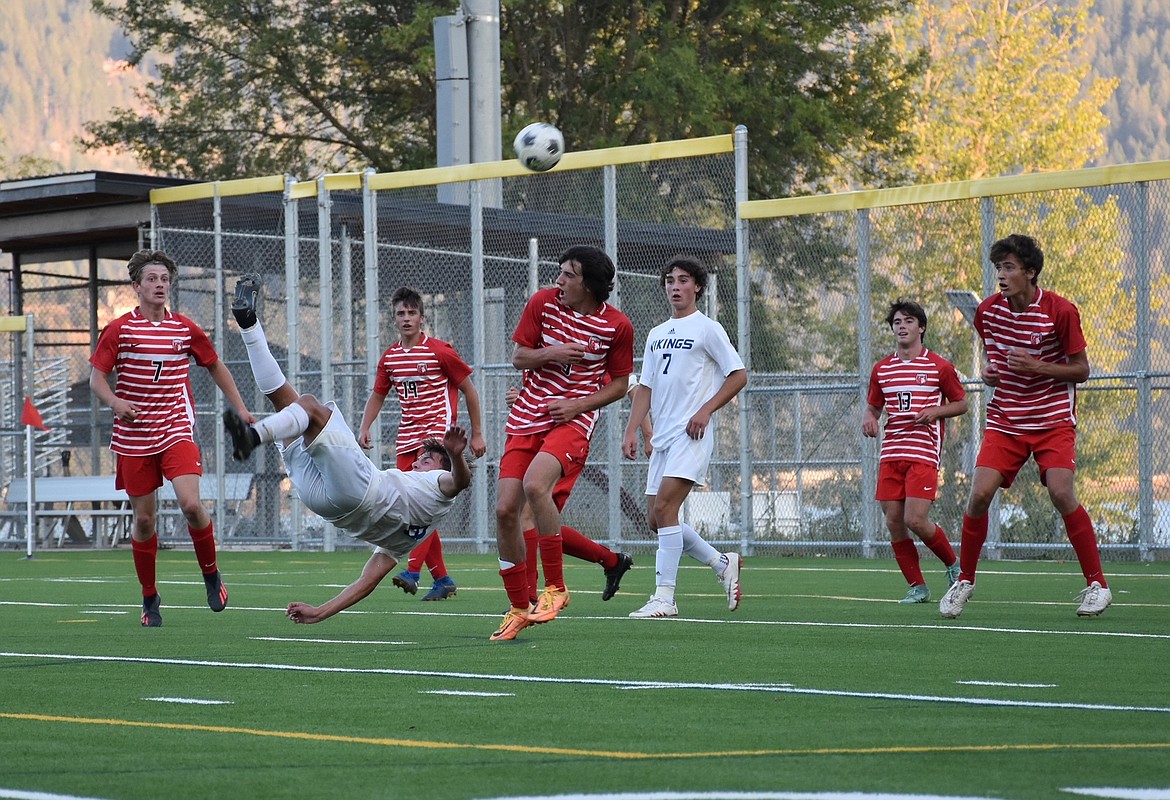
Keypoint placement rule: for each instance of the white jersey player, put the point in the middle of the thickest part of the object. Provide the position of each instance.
(689, 371)
(391, 509)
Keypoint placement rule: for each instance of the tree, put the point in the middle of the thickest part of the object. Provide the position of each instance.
(24, 165)
(1009, 91)
(271, 86)
(275, 86)
(813, 80)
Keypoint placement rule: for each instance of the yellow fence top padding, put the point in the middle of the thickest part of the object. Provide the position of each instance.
(205, 191)
(14, 324)
(589, 159)
(959, 190)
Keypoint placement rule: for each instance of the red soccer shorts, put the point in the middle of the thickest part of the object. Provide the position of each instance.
(405, 461)
(900, 478)
(567, 443)
(141, 475)
(1053, 449)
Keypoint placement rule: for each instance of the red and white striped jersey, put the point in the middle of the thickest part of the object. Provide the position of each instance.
(904, 388)
(608, 338)
(152, 360)
(1050, 330)
(426, 378)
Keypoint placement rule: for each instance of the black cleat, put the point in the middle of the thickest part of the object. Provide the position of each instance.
(244, 303)
(244, 436)
(216, 591)
(151, 618)
(613, 577)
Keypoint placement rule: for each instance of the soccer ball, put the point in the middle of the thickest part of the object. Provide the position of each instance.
(539, 146)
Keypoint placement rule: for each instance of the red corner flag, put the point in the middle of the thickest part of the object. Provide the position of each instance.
(30, 415)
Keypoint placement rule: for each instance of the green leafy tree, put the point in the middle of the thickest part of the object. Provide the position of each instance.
(271, 86)
(814, 82)
(1009, 90)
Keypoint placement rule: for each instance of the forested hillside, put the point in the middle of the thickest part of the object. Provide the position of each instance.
(1134, 45)
(61, 65)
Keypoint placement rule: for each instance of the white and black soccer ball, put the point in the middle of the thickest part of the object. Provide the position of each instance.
(539, 146)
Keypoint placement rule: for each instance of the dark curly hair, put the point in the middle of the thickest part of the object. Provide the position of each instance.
(1025, 248)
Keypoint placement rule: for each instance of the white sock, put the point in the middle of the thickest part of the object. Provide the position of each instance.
(670, 548)
(697, 548)
(265, 370)
(505, 565)
(288, 423)
(664, 593)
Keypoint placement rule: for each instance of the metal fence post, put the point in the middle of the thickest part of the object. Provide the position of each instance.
(867, 447)
(743, 296)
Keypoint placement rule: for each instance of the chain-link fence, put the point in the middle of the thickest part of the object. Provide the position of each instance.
(834, 264)
(805, 302)
(475, 242)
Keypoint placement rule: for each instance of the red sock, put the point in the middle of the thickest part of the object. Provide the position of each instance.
(578, 545)
(1079, 527)
(434, 557)
(941, 547)
(532, 562)
(204, 542)
(552, 560)
(144, 559)
(971, 545)
(906, 554)
(414, 562)
(516, 585)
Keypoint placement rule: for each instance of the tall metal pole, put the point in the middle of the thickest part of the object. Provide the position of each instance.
(479, 497)
(743, 332)
(370, 263)
(217, 248)
(1141, 245)
(987, 235)
(29, 448)
(292, 277)
(868, 446)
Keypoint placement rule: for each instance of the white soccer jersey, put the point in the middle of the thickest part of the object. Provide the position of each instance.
(388, 508)
(400, 509)
(685, 363)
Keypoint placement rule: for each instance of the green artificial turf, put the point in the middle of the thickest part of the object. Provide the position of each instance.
(819, 683)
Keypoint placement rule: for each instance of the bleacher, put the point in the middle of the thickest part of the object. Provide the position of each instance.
(62, 502)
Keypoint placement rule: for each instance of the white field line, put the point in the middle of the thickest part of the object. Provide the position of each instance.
(522, 679)
(323, 641)
(1119, 793)
(739, 796)
(17, 794)
(664, 621)
(1014, 685)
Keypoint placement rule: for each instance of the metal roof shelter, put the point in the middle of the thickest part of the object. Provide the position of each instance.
(78, 216)
(74, 221)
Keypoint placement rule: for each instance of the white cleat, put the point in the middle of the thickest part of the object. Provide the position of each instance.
(657, 607)
(955, 600)
(1094, 598)
(729, 577)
